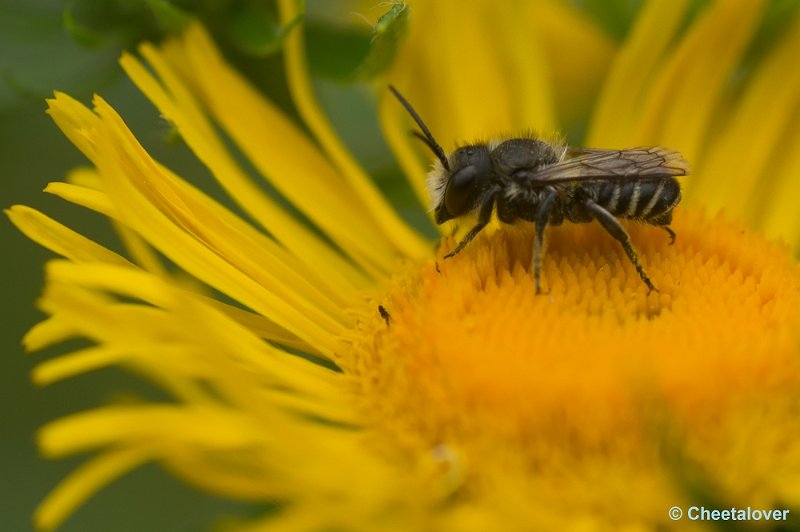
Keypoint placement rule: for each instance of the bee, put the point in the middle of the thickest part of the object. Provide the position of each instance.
(535, 181)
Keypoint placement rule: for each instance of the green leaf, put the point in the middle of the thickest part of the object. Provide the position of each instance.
(348, 53)
(615, 16)
(80, 33)
(387, 34)
(336, 52)
(170, 18)
(256, 31)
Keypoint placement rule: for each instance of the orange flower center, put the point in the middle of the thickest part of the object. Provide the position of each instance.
(467, 358)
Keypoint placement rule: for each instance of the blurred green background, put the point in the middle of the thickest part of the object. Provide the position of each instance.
(73, 47)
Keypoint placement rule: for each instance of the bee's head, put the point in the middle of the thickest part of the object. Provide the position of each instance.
(456, 182)
(456, 189)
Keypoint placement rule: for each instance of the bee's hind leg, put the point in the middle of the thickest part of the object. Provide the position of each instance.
(483, 219)
(540, 224)
(612, 225)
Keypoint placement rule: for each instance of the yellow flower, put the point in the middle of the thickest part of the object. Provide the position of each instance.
(438, 394)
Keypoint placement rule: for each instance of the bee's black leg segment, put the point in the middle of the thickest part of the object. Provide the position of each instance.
(540, 224)
(484, 216)
(670, 232)
(616, 230)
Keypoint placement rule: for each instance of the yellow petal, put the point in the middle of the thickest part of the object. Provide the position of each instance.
(461, 87)
(300, 173)
(782, 217)
(76, 122)
(738, 172)
(59, 238)
(48, 332)
(78, 362)
(214, 427)
(403, 237)
(578, 56)
(260, 326)
(87, 178)
(143, 255)
(84, 482)
(174, 326)
(632, 71)
(204, 239)
(678, 109)
(93, 199)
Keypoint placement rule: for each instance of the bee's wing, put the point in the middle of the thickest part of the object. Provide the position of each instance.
(630, 163)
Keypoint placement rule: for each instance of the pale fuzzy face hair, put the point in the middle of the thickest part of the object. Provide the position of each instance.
(435, 182)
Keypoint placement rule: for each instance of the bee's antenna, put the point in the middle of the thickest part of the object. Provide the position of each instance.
(427, 138)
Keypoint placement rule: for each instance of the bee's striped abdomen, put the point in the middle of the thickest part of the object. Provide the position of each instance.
(645, 199)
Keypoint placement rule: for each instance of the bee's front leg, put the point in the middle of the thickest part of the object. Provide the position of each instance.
(484, 216)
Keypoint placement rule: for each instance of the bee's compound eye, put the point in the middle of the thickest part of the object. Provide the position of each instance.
(471, 169)
(460, 189)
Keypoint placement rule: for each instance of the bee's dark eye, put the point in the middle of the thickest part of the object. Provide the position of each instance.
(458, 195)
(471, 170)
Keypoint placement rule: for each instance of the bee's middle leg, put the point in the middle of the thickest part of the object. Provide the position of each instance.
(540, 224)
(612, 225)
(483, 219)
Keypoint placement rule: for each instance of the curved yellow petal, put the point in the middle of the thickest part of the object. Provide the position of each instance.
(159, 199)
(83, 482)
(86, 177)
(685, 92)
(463, 78)
(48, 332)
(100, 202)
(171, 321)
(84, 187)
(402, 237)
(578, 56)
(59, 238)
(632, 71)
(77, 362)
(205, 425)
(781, 218)
(90, 198)
(259, 325)
(179, 106)
(140, 251)
(75, 120)
(738, 172)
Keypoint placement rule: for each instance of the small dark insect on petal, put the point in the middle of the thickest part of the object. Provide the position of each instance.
(437, 268)
(384, 314)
